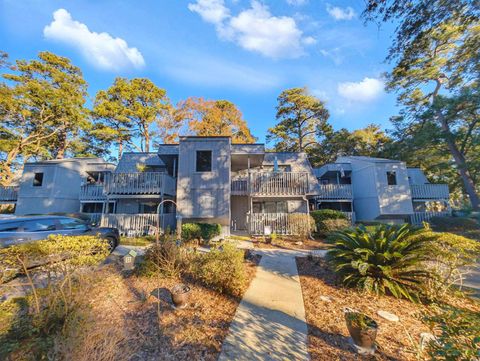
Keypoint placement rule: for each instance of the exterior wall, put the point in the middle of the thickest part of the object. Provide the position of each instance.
(394, 199)
(59, 191)
(204, 196)
(373, 197)
(366, 203)
(416, 176)
(239, 212)
(60, 187)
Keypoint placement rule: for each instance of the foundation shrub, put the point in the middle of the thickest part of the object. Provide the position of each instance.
(454, 224)
(206, 231)
(210, 231)
(191, 231)
(222, 269)
(328, 220)
(333, 225)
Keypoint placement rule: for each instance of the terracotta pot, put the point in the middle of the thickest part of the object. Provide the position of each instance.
(179, 295)
(363, 332)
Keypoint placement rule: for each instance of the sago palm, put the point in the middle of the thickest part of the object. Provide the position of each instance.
(385, 259)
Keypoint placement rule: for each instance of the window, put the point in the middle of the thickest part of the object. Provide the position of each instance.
(96, 207)
(39, 225)
(72, 223)
(10, 226)
(150, 207)
(38, 179)
(391, 178)
(204, 161)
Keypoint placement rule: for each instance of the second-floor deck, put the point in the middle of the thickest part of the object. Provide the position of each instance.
(429, 191)
(130, 184)
(8, 194)
(271, 184)
(335, 191)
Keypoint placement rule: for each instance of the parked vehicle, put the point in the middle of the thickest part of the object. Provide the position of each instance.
(23, 229)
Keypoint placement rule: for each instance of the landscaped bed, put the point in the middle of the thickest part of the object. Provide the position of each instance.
(290, 242)
(111, 314)
(328, 337)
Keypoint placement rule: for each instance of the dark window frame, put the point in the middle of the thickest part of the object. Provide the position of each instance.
(392, 178)
(203, 168)
(38, 179)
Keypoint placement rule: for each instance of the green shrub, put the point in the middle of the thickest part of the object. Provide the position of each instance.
(207, 231)
(328, 220)
(453, 224)
(457, 334)
(210, 231)
(322, 214)
(191, 231)
(222, 269)
(450, 256)
(332, 225)
(384, 260)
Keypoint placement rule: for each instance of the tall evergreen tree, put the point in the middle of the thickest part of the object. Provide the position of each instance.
(302, 121)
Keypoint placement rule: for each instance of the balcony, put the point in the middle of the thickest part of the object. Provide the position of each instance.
(335, 191)
(8, 194)
(139, 183)
(429, 191)
(271, 184)
(92, 192)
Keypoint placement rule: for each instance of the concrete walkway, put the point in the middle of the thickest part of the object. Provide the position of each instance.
(270, 321)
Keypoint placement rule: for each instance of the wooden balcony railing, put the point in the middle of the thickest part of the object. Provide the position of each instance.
(335, 191)
(239, 187)
(91, 192)
(8, 194)
(280, 223)
(429, 191)
(419, 217)
(139, 183)
(271, 184)
(132, 225)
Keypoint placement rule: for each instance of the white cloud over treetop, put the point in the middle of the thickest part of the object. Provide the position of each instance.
(366, 90)
(255, 29)
(100, 49)
(339, 13)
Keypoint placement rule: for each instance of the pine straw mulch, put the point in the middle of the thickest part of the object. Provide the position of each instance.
(327, 333)
(292, 243)
(160, 332)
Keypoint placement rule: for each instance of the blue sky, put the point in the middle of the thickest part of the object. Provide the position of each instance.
(243, 51)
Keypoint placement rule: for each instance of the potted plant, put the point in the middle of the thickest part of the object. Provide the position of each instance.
(179, 295)
(362, 329)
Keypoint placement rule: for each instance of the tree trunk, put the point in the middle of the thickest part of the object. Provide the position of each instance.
(120, 149)
(147, 142)
(62, 147)
(459, 159)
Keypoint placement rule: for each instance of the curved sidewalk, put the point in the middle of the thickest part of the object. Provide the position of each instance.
(270, 321)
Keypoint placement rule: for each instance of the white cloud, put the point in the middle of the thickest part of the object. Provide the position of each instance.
(101, 49)
(364, 91)
(297, 2)
(255, 29)
(339, 13)
(211, 11)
